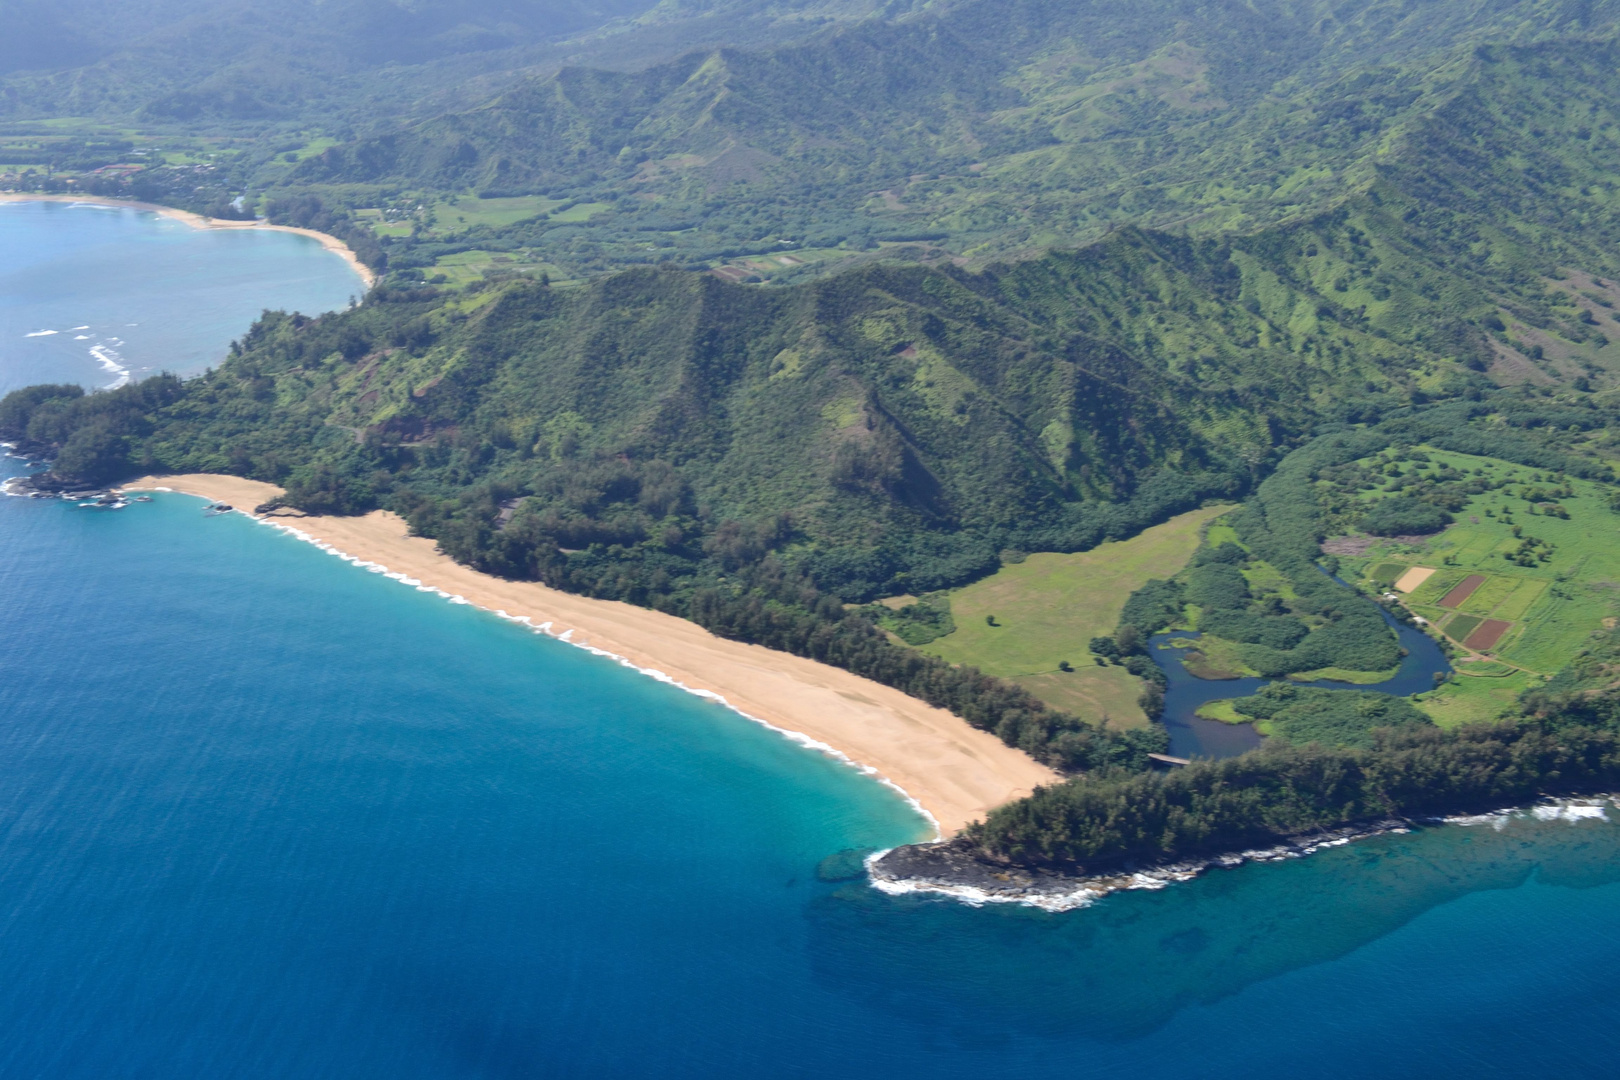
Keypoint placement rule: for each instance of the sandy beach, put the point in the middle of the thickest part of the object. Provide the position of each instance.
(198, 221)
(953, 771)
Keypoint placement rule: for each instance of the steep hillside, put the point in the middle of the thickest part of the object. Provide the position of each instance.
(344, 64)
(887, 429)
(987, 127)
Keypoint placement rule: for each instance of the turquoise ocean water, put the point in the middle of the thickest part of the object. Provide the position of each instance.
(90, 294)
(265, 814)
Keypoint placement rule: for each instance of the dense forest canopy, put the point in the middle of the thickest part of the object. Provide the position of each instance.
(756, 312)
(238, 64)
(835, 129)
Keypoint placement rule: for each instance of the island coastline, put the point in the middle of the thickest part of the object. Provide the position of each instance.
(951, 772)
(199, 221)
(953, 870)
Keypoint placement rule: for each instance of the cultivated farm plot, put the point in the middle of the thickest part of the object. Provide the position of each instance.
(1557, 625)
(1488, 595)
(1520, 600)
(1532, 611)
(1386, 574)
(1413, 577)
(1438, 586)
(1462, 591)
(1489, 633)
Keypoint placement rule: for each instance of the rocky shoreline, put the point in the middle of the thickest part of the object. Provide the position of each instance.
(956, 870)
(25, 487)
(42, 485)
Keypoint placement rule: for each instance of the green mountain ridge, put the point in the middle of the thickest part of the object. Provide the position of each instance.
(1068, 269)
(241, 64)
(980, 129)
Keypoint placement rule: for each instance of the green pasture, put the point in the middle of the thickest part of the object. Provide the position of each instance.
(787, 264)
(1223, 711)
(470, 211)
(308, 150)
(1521, 600)
(1345, 675)
(1554, 603)
(1460, 626)
(466, 267)
(1386, 574)
(1216, 658)
(1264, 578)
(381, 225)
(1049, 607)
(580, 212)
(1489, 596)
(1485, 693)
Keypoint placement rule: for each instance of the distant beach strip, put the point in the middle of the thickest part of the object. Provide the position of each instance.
(198, 221)
(952, 772)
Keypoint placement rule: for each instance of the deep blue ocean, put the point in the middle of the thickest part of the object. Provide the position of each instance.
(266, 815)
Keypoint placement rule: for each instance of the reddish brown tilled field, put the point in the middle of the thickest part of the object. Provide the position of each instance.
(1489, 633)
(1462, 590)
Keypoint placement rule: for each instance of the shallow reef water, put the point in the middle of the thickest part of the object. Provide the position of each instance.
(265, 814)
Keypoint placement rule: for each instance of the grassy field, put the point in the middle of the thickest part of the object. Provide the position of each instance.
(1556, 593)
(465, 267)
(1049, 607)
(579, 212)
(1223, 711)
(1470, 698)
(311, 148)
(455, 215)
(1345, 675)
(1216, 658)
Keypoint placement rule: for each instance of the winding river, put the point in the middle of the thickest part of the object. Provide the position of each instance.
(1192, 736)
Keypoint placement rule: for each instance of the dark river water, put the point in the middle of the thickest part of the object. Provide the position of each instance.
(1192, 736)
(265, 815)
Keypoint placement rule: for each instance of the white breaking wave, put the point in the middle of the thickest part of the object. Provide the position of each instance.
(1566, 810)
(566, 636)
(42, 333)
(1570, 812)
(1086, 891)
(112, 363)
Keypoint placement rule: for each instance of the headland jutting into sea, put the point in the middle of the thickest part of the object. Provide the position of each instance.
(949, 772)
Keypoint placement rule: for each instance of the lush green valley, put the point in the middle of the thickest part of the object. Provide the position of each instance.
(976, 132)
(885, 301)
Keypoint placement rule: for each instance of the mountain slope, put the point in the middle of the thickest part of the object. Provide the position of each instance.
(242, 64)
(982, 127)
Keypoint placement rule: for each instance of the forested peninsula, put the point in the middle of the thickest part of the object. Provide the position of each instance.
(796, 366)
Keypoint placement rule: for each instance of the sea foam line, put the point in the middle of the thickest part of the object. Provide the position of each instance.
(109, 359)
(6, 486)
(566, 637)
(1572, 810)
